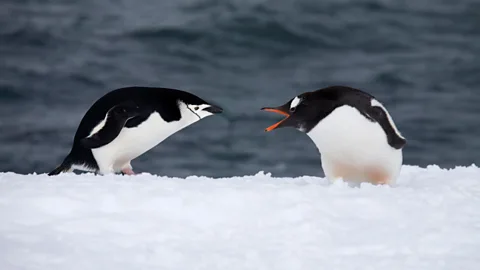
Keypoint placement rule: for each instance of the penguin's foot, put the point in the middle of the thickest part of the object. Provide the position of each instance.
(128, 172)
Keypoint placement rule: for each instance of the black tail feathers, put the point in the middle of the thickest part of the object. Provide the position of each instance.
(64, 167)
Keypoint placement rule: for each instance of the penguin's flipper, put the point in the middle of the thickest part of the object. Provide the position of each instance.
(94, 141)
(116, 120)
(110, 130)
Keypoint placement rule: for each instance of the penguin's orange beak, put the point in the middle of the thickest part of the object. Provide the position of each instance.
(280, 110)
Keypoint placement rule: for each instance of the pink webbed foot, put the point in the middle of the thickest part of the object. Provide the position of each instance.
(128, 172)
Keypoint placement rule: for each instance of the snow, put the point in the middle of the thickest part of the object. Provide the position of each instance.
(429, 220)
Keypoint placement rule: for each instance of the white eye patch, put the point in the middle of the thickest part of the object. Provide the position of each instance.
(295, 102)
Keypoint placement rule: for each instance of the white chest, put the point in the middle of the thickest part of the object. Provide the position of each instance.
(347, 140)
(133, 142)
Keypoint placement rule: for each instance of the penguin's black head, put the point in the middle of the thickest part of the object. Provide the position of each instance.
(307, 110)
(125, 110)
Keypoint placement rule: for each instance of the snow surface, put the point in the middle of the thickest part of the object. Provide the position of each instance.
(430, 220)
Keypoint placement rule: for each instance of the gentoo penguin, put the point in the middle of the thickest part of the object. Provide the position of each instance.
(354, 133)
(127, 122)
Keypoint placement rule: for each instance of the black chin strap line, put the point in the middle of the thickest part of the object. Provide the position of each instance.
(199, 118)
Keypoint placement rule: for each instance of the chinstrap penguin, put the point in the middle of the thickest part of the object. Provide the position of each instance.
(127, 122)
(354, 133)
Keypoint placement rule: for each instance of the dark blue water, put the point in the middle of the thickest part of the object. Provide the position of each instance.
(419, 57)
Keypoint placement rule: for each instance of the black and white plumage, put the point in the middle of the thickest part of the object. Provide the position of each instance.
(127, 122)
(354, 133)
(114, 122)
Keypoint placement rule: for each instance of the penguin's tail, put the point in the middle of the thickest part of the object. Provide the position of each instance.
(64, 167)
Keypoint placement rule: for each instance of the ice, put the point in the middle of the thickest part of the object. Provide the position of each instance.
(429, 220)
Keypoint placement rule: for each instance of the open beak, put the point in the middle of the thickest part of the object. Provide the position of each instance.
(283, 110)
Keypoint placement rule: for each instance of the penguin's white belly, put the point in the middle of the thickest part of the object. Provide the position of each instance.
(355, 149)
(133, 142)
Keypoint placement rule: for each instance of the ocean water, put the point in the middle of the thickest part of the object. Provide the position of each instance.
(419, 57)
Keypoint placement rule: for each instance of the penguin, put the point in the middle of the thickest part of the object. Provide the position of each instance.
(127, 122)
(355, 135)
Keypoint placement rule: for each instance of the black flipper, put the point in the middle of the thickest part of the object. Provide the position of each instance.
(95, 141)
(380, 116)
(104, 136)
(116, 119)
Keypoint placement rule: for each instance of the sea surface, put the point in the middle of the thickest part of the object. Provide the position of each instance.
(421, 58)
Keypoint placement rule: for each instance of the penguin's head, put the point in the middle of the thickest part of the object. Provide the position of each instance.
(193, 108)
(306, 111)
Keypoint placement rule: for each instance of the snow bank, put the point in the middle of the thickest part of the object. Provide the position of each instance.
(431, 220)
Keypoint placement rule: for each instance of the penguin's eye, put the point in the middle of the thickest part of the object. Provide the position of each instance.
(124, 110)
(293, 109)
(196, 108)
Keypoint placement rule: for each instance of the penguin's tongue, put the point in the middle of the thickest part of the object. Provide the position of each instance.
(274, 126)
